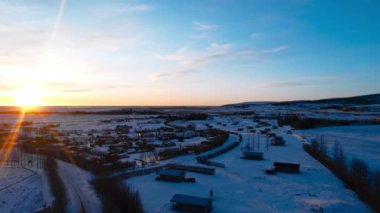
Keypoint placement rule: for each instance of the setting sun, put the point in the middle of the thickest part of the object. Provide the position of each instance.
(28, 97)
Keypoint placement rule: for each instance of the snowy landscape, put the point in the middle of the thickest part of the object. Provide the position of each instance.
(226, 153)
(170, 106)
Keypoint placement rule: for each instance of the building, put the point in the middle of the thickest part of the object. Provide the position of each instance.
(189, 203)
(277, 141)
(251, 155)
(286, 167)
(171, 175)
(191, 168)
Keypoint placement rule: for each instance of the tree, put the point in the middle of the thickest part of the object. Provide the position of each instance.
(376, 197)
(360, 178)
(117, 196)
(339, 160)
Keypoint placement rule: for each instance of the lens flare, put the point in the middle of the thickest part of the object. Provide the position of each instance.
(29, 97)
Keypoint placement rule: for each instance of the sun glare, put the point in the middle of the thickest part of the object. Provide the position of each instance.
(28, 97)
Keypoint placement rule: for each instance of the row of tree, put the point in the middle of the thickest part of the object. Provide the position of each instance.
(117, 196)
(298, 122)
(355, 173)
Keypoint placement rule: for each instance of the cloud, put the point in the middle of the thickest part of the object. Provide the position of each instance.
(203, 30)
(203, 26)
(162, 75)
(199, 36)
(107, 41)
(123, 9)
(277, 49)
(21, 44)
(136, 8)
(214, 52)
(255, 35)
(316, 81)
(186, 72)
(13, 8)
(72, 87)
(176, 74)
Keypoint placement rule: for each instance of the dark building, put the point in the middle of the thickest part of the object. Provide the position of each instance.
(191, 168)
(287, 167)
(251, 155)
(171, 175)
(192, 204)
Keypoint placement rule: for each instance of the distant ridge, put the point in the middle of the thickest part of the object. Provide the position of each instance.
(362, 99)
(359, 100)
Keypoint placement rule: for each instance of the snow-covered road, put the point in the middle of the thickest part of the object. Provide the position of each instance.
(82, 197)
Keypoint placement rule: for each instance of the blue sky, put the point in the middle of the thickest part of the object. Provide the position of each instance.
(169, 52)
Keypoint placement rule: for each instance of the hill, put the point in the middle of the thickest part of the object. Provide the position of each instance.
(354, 100)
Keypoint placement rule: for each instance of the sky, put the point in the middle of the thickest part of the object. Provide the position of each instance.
(177, 52)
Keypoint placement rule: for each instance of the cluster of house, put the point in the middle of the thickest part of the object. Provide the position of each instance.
(182, 202)
(126, 143)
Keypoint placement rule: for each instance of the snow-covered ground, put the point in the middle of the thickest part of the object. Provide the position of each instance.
(244, 187)
(23, 190)
(361, 142)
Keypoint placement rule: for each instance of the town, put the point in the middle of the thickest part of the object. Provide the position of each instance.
(190, 159)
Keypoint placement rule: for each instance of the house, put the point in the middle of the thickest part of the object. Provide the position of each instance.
(171, 175)
(189, 203)
(286, 167)
(167, 144)
(147, 134)
(251, 155)
(277, 141)
(265, 131)
(187, 134)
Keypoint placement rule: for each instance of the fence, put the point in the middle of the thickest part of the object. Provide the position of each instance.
(17, 158)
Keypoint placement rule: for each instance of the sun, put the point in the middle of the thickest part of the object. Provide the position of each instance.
(28, 97)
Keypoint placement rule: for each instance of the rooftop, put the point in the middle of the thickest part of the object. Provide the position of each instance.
(192, 200)
(171, 172)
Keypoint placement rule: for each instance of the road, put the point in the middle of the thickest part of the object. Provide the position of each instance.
(82, 198)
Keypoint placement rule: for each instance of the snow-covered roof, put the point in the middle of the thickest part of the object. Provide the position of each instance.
(192, 200)
(171, 172)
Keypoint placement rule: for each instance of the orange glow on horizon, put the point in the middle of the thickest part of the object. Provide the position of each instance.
(28, 98)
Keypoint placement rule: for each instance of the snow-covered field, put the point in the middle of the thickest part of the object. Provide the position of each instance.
(361, 142)
(23, 190)
(244, 187)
